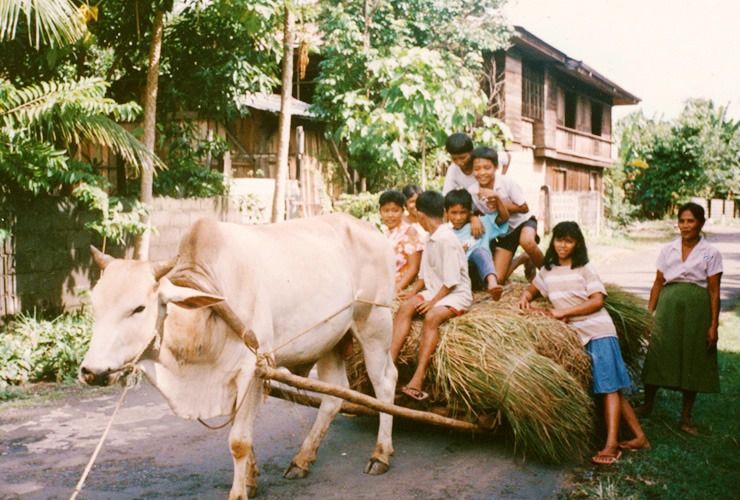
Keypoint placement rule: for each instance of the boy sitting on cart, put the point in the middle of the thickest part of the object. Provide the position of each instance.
(441, 292)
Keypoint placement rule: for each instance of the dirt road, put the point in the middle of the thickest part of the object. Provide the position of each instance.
(150, 453)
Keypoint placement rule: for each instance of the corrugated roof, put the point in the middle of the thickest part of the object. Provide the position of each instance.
(272, 103)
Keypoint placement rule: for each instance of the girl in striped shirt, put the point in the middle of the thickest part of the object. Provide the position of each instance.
(577, 295)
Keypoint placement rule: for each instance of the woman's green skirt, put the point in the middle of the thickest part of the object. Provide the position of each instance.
(677, 356)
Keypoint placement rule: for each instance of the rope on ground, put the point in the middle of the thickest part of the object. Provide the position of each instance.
(98, 447)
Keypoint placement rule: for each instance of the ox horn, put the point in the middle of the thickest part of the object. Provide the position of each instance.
(101, 259)
(162, 267)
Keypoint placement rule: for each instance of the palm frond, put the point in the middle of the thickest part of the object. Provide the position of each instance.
(72, 111)
(48, 20)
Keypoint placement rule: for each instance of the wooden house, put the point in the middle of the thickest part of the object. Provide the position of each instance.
(559, 111)
(251, 163)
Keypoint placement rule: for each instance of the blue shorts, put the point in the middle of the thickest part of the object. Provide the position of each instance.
(610, 373)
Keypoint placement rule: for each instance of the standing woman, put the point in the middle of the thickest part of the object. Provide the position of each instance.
(682, 354)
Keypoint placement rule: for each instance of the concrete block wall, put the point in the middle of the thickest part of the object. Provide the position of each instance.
(47, 263)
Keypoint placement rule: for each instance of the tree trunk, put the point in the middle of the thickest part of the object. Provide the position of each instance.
(278, 202)
(141, 251)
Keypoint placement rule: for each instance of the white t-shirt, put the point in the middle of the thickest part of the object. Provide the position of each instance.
(703, 261)
(456, 179)
(509, 192)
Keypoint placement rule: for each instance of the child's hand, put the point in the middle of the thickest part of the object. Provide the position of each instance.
(523, 303)
(404, 295)
(559, 314)
(484, 193)
(476, 227)
(424, 307)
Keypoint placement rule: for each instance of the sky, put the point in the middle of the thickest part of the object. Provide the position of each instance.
(662, 51)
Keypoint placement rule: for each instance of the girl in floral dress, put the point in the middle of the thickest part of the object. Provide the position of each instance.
(407, 246)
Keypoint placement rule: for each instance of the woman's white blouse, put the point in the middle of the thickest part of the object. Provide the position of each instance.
(703, 261)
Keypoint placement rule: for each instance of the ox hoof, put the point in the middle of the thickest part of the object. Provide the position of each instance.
(375, 467)
(295, 472)
(251, 491)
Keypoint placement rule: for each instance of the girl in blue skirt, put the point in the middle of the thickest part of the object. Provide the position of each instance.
(577, 295)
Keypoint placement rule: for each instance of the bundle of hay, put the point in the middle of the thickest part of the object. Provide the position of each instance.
(497, 361)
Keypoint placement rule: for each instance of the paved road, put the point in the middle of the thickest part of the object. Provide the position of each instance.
(636, 272)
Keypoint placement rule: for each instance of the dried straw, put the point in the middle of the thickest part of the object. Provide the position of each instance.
(496, 361)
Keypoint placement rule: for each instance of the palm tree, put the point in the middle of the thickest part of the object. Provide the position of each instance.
(40, 121)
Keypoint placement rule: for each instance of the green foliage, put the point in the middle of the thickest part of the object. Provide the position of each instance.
(392, 97)
(219, 52)
(212, 52)
(47, 21)
(363, 206)
(662, 163)
(185, 177)
(115, 223)
(33, 349)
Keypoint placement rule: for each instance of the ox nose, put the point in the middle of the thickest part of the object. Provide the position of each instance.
(92, 378)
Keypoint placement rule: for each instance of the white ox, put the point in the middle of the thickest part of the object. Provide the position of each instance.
(267, 283)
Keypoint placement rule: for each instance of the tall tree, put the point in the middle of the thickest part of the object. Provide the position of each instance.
(664, 162)
(141, 250)
(281, 179)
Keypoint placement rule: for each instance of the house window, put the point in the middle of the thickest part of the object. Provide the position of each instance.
(597, 115)
(571, 106)
(533, 91)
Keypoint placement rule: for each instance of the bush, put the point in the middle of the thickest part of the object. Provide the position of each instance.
(363, 206)
(34, 350)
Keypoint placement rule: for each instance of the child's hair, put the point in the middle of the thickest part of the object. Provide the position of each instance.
(410, 190)
(459, 197)
(696, 210)
(458, 144)
(486, 153)
(431, 204)
(562, 230)
(392, 196)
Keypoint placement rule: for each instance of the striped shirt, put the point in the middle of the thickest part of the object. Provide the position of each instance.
(568, 287)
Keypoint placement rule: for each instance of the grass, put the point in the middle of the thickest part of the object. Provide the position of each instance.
(681, 466)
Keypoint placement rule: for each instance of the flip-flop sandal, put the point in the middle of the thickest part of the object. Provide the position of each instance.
(606, 458)
(414, 393)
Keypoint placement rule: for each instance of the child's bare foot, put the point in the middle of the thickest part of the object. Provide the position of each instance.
(493, 287)
(496, 291)
(635, 444)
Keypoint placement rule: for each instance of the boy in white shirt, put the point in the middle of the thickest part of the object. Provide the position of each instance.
(441, 292)
(522, 223)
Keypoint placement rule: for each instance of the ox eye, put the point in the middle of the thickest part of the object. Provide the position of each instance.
(138, 310)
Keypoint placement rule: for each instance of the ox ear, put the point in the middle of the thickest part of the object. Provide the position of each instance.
(186, 297)
(101, 259)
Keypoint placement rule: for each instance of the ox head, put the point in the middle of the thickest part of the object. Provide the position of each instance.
(130, 305)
